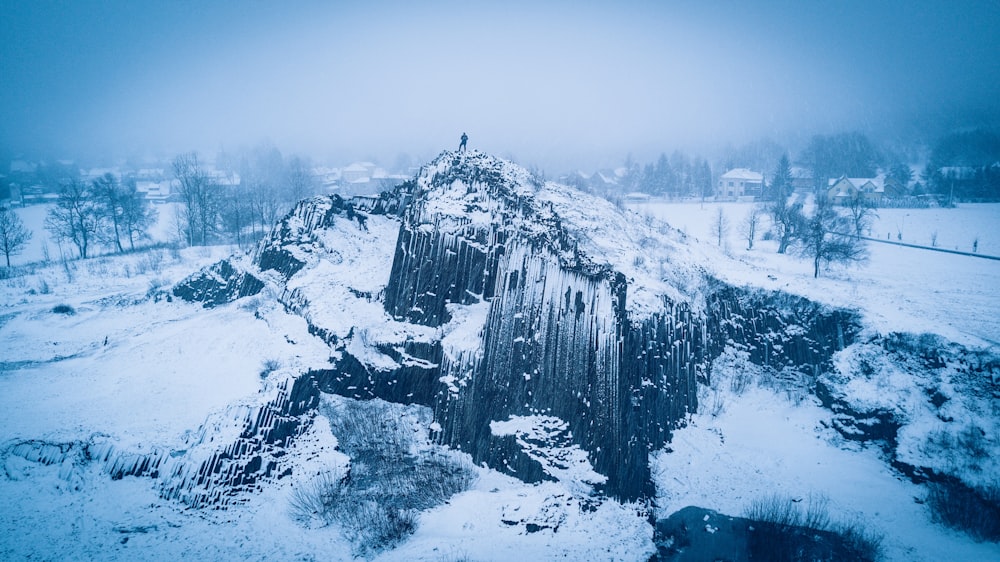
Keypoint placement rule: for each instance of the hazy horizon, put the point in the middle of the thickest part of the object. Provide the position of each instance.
(559, 86)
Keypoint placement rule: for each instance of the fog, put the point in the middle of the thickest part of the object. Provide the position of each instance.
(563, 86)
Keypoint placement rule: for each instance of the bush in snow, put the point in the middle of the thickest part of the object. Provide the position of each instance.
(64, 309)
(956, 505)
(394, 473)
(783, 530)
(317, 499)
(269, 366)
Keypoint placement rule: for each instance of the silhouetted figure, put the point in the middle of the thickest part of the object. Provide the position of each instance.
(461, 145)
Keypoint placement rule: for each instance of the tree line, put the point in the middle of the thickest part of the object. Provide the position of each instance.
(673, 177)
(104, 211)
(236, 201)
(242, 199)
(963, 166)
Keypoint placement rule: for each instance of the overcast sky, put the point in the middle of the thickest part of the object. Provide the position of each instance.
(556, 84)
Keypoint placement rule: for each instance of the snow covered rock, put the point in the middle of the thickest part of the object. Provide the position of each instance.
(489, 295)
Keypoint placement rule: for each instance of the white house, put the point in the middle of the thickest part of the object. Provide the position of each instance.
(358, 171)
(739, 182)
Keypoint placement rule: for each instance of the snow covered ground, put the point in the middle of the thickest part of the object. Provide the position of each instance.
(761, 443)
(899, 289)
(145, 374)
(128, 369)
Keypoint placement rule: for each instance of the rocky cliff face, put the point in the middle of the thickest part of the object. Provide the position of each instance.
(552, 336)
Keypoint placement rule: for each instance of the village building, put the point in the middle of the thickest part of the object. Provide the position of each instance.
(739, 183)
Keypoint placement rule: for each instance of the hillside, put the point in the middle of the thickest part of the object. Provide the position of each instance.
(482, 364)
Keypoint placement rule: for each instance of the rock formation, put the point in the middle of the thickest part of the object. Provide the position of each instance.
(511, 299)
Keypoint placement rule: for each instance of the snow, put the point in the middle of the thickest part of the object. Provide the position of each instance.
(135, 371)
(546, 440)
(762, 444)
(900, 289)
(503, 519)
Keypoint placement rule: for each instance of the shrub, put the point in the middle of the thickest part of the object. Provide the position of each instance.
(100, 267)
(269, 366)
(316, 499)
(956, 505)
(156, 284)
(782, 531)
(374, 526)
(394, 474)
(250, 304)
(741, 381)
(151, 261)
(864, 543)
(64, 309)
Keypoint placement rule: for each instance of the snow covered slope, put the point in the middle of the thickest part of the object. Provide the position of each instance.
(534, 330)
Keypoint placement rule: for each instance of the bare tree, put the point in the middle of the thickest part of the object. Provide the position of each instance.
(108, 194)
(76, 217)
(262, 176)
(200, 199)
(720, 226)
(826, 239)
(237, 212)
(301, 183)
(862, 212)
(750, 225)
(136, 213)
(13, 235)
(786, 219)
(264, 203)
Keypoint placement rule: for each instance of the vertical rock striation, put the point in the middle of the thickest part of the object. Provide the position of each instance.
(508, 300)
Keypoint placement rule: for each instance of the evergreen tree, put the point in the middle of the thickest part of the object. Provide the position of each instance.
(781, 182)
(902, 173)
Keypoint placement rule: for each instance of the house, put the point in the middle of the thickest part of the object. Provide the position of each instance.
(739, 182)
(802, 180)
(155, 191)
(358, 171)
(843, 190)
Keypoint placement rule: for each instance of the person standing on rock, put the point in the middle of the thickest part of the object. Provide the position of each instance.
(461, 145)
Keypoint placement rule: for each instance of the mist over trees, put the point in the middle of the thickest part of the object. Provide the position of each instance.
(845, 154)
(673, 177)
(245, 194)
(965, 166)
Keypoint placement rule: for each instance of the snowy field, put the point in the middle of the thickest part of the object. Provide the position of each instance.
(144, 375)
(899, 289)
